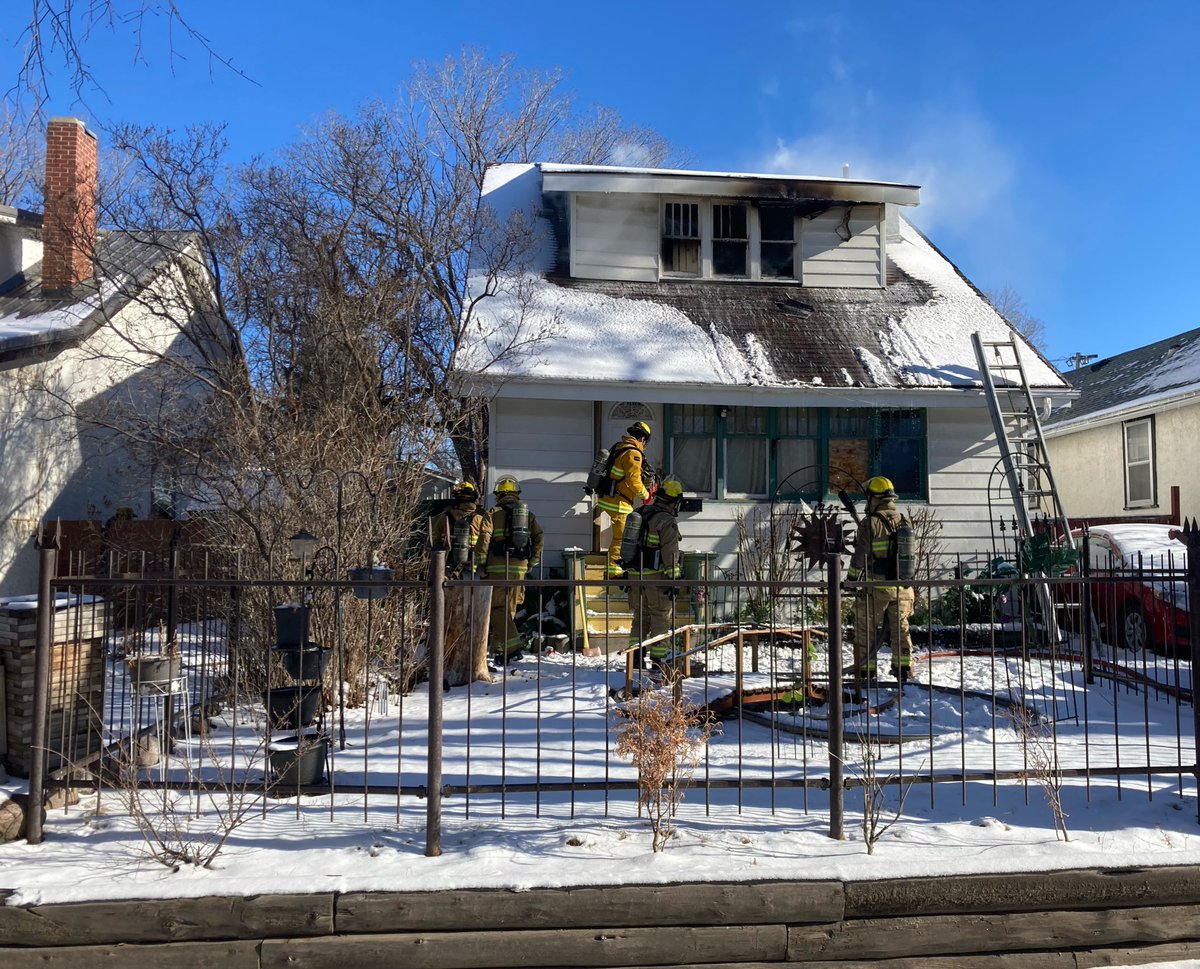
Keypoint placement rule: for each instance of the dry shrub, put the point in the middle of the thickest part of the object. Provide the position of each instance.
(663, 735)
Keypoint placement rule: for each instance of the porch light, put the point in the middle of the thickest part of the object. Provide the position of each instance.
(302, 545)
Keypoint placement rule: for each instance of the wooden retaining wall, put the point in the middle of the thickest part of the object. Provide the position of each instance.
(1052, 920)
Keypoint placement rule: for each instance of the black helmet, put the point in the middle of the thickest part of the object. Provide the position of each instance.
(639, 429)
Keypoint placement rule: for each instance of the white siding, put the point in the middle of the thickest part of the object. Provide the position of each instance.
(831, 260)
(549, 449)
(614, 237)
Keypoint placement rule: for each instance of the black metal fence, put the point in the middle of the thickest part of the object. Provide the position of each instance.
(316, 693)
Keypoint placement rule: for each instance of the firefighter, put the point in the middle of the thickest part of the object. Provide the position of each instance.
(463, 530)
(875, 550)
(625, 487)
(514, 550)
(653, 553)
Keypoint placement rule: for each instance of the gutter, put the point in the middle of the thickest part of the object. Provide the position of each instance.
(1115, 415)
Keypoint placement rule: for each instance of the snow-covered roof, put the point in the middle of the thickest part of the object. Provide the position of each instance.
(915, 334)
(1114, 387)
(31, 323)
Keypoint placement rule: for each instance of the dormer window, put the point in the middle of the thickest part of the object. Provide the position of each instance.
(729, 240)
(681, 239)
(778, 230)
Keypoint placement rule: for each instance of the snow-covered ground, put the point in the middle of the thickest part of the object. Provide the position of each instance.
(553, 719)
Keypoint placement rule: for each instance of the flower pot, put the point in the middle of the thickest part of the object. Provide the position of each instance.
(372, 574)
(298, 761)
(291, 624)
(305, 662)
(293, 707)
(155, 673)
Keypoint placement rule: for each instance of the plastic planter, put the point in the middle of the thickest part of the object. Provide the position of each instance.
(298, 761)
(372, 574)
(307, 662)
(291, 625)
(293, 707)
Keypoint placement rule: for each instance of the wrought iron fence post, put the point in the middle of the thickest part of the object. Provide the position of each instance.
(436, 652)
(1085, 610)
(837, 788)
(47, 564)
(1191, 538)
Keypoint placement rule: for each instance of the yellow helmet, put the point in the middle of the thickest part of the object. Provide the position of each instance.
(639, 429)
(507, 485)
(672, 488)
(881, 487)
(463, 491)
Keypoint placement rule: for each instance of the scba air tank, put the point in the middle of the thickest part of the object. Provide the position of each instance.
(631, 538)
(460, 543)
(906, 551)
(518, 534)
(597, 473)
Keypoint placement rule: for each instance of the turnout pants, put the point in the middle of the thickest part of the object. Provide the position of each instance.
(617, 518)
(871, 608)
(503, 637)
(653, 614)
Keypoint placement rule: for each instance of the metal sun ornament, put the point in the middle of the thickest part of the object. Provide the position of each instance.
(818, 534)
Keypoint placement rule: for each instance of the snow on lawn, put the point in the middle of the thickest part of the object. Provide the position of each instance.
(552, 719)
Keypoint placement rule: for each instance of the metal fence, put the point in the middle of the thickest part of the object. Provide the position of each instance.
(351, 708)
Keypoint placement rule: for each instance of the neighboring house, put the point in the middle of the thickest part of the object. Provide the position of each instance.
(1130, 437)
(783, 336)
(90, 322)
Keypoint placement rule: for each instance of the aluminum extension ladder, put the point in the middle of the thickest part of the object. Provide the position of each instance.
(1022, 446)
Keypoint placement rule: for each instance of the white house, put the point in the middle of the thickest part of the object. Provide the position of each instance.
(1138, 418)
(784, 336)
(89, 324)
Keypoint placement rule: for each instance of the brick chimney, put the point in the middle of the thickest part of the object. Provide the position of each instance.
(69, 222)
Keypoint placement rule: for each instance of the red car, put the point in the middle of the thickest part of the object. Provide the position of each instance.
(1141, 599)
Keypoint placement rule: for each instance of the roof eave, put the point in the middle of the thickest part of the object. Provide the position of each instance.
(816, 395)
(715, 184)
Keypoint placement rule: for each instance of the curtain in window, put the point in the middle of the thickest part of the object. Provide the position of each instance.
(692, 463)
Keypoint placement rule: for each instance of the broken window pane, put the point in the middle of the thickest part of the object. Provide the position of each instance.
(730, 240)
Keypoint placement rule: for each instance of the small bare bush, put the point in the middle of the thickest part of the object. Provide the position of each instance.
(1041, 760)
(663, 735)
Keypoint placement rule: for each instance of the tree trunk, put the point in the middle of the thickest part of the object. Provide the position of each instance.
(467, 613)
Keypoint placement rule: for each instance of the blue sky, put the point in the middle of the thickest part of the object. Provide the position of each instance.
(1055, 142)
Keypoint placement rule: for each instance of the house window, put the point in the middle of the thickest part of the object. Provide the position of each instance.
(797, 444)
(746, 451)
(693, 447)
(796, 452)
(681, 239)
(777, 253)
(1139, 463)
(631, 411)
(731, 240)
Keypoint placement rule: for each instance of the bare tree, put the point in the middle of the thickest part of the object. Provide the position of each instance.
(1012, 306)
(59, 32)
(461, 115)
(20, 159)
(290, 363)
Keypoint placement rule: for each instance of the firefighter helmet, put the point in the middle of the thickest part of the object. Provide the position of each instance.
(671, 488)
(464, 491)
(507, 485)
(881, 487)
(639, 429)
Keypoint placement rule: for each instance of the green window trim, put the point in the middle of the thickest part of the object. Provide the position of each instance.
(896, 444)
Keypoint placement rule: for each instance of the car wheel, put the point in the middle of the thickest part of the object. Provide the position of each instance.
(1135, 633)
